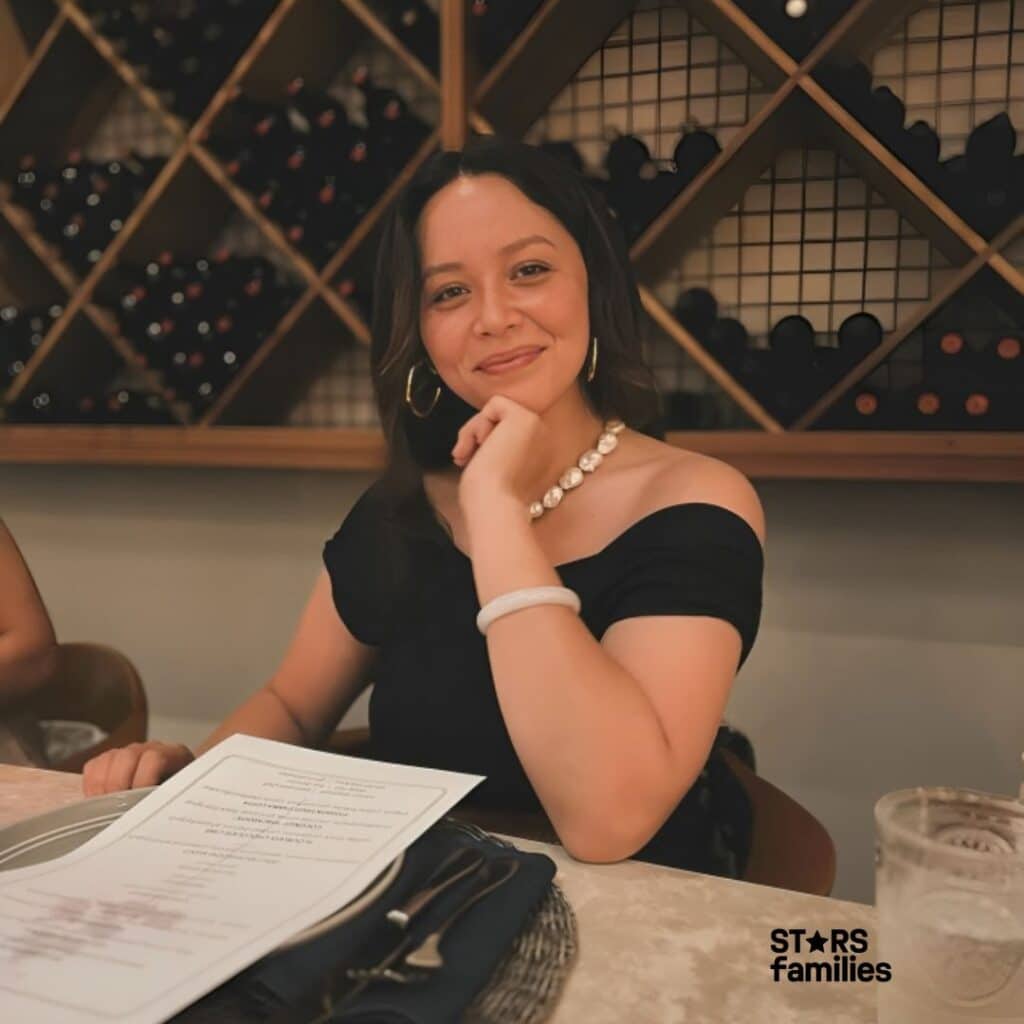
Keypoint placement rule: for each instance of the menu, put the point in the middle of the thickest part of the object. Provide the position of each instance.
(251, 843)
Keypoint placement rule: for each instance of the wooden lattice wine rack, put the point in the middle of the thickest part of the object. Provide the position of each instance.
(579, 70)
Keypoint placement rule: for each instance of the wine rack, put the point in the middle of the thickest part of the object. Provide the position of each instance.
(765, 224)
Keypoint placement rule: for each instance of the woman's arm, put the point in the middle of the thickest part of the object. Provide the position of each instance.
(28, 647)
(611, 734)
(323, 672)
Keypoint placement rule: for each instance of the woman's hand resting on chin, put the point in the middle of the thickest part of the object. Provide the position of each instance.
(134, 766)
(500, 451)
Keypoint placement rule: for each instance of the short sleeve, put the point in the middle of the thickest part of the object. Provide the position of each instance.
(691, 559)
(358, 560)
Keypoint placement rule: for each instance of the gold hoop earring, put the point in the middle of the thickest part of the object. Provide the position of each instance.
(408, 390)
(592, 369)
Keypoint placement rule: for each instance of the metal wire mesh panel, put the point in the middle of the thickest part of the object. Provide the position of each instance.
(956, 63)
(810, 238)
(341, 396)
(658, 72)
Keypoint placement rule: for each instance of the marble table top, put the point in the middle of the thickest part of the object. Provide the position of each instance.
(657, 945)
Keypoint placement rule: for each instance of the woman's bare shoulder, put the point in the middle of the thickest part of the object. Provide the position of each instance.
(677, 476)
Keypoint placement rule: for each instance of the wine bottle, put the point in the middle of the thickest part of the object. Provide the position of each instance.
(697, 310)
(358, 295)
(792, 367)
(629, 166)
(694, 151)
(564, 150)
(1001, 364)
(862, 409)
(316, 111)
(417, 28)
(393, 131)
(946, 357)
(496, 23)
(859, 334)
(727, 340)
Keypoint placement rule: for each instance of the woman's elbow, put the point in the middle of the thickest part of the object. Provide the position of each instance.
(601, 844)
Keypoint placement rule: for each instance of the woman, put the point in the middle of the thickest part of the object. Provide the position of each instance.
(604, 714)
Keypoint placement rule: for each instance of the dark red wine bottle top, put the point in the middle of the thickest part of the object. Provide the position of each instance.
(866, 403)
(976, 404)
(1008, 348)
(928, 403)
(952, 343)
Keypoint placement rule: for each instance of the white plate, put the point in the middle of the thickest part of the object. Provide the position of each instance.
(46, 836)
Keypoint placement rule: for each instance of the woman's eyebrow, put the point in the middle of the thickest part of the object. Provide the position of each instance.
(511, 247)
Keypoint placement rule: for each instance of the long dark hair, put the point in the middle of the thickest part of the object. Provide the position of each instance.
(623, 385)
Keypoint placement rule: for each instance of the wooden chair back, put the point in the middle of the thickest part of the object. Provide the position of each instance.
(97, 684)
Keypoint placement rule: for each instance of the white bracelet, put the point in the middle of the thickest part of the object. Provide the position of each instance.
(525, 598)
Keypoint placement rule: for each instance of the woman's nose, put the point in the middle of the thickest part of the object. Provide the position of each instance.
(497, 311)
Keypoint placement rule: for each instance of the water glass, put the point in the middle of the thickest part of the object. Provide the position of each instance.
(950, 900)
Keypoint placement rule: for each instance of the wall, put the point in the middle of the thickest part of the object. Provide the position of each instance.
(891, 651)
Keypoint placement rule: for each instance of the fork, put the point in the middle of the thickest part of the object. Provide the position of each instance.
(402, 915)
(426, 957)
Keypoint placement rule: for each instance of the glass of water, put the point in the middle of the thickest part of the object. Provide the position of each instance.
(950, 901)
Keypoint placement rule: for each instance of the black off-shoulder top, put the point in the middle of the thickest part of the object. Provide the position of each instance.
(433, 702)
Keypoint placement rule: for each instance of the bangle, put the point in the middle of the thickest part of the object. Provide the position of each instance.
(525, 598)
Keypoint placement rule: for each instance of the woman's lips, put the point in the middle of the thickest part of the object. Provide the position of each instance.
(512, 364)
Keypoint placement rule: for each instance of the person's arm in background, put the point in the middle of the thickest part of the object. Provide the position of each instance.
(28, 647)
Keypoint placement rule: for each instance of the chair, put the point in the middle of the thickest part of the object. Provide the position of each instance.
(96, 684)
(790, 848)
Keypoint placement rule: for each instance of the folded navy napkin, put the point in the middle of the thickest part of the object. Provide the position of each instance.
(472, 947)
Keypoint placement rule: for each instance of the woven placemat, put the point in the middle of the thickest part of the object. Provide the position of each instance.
(527, 983)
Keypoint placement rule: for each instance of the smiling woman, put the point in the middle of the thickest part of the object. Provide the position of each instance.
(541, 593)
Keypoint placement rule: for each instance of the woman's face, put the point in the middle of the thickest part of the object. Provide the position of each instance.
(501, 273)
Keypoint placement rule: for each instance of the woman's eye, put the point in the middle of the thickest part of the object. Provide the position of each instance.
(446, 293)
(538, 266)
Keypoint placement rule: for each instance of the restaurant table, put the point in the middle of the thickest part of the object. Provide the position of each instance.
(656, 945)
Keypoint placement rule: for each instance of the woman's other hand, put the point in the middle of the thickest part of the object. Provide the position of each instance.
(134, 766)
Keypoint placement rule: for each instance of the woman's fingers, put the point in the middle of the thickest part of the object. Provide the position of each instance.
(122, 768)
(149, 768)
(133, 766)
(471, 436)
(93, 774)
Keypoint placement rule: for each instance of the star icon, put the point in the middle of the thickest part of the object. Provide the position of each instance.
(816, 942)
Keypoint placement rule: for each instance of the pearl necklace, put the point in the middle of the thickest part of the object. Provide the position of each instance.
(587, 463)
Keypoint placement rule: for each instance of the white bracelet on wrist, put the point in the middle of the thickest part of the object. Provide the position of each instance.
(525, 598)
